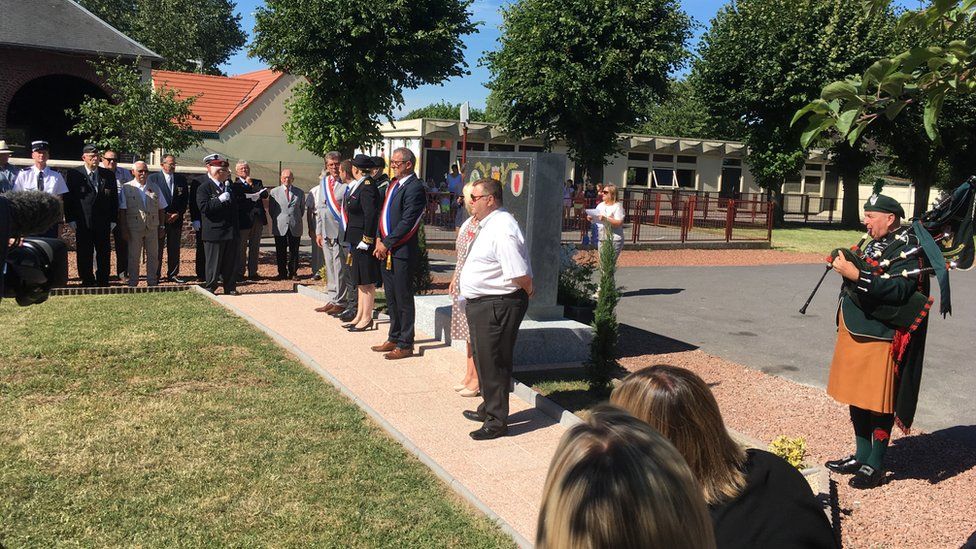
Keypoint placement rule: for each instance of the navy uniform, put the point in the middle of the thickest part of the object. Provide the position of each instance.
(174, 187)
(362, 209)
(219, 228)
(91, 206)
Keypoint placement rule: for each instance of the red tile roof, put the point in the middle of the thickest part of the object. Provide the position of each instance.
(219, 98)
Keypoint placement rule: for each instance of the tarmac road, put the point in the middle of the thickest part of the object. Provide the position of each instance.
(750, 315)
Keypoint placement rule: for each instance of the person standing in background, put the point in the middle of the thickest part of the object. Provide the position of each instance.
(91, 208)
(40, 177)
(218, 225)
(110, 161)
(287, 207)
(253, 218)
(141, 206)
(8, 174)
(174, 188)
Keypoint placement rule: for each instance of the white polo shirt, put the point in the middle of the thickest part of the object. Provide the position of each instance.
(53, 182)
(497, 256)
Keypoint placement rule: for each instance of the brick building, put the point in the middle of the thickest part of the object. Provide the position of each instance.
(45, 49)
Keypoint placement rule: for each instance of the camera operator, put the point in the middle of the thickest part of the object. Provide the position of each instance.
(29, 268)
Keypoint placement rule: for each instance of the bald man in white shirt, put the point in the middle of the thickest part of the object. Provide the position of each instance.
(496, 282)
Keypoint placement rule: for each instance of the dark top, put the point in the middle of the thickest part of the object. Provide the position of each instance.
(363, 208)
(218, 220)
(249, 211)
(406, 207)
(91, 208)
(178, 201)
(776, 509)
(194, 186)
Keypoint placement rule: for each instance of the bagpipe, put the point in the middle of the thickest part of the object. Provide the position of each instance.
(945, 242)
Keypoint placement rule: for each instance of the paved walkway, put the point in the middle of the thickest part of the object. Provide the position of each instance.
(415, 397)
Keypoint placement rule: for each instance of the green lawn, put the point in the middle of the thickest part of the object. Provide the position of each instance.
(809, 240)
(162, 420)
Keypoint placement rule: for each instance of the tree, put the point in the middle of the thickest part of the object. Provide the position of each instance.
(603, 347)
(358, 58)
(445, 110)
(191, 35)
(760, 58)
(135, 118)
(682, 114)
(583, 71)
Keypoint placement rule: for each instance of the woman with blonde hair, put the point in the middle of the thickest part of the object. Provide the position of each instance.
(616, 483)
(755, 498)
(610, 219)
(469, 386)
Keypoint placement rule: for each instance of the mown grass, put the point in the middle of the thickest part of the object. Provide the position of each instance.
(162, 420)
(814, 240)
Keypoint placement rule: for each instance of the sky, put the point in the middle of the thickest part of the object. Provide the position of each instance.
(471, 87)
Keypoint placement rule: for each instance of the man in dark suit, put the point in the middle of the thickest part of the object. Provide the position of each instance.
(110, 161)
(398, 249)
(91, 208)
(177, 193)
(200, 258)
(218, 225)
(253, 218)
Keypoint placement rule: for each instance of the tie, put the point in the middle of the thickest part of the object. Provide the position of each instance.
(91, 181)
(287, 194)
(40, 180)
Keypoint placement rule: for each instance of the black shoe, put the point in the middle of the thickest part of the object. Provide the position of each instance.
(488, 433)
(844, 466)
(473, 416)
(369, 326)
(232, 292)
(866, 477)
(176, 280)
(347, 316)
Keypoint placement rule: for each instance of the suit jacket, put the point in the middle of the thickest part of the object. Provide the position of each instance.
(218, 220)
(363, 207)
(194, 186)
(91, 209)
(327, 225)
(179, 199)
(287, 213)
(406, 207)
(250, 211)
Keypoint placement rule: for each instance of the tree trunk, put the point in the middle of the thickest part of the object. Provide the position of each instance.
(923, 182)
(779, 216)
(851, 207)
(594, 174)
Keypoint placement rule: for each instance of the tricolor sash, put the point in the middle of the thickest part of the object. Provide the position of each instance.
(386, 225)
(335, 207)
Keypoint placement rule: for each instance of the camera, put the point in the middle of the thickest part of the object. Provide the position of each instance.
(30, 267)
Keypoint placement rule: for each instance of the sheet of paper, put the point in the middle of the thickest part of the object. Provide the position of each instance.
(594, 213)
(252, 196)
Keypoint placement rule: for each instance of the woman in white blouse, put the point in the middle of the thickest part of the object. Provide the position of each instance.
(611, 217)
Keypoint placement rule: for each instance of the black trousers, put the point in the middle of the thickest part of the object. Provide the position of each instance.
(398, 288)
(171, 239)
(98, 243)
(201, 259)
(121, 250)
(221, 261)
(493, 323)
(286, 252)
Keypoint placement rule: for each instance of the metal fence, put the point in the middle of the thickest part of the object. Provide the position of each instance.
(806, 208)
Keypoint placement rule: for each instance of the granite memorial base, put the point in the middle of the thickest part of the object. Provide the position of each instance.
(558, 343)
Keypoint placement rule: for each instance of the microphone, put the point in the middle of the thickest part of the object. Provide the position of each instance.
(32, 212)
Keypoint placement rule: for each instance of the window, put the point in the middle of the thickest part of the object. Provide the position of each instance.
(638, 156)
(530, 148)
(501, 147)
(811, 184)
(791, 186)
(663, 158)
(685, 178)
(813, 167)
(664, 177)
(472, 146)
(637, 176)
(687, 159)
(731, 162)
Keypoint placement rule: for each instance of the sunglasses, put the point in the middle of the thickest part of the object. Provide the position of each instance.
(476, 197)
(107, 159)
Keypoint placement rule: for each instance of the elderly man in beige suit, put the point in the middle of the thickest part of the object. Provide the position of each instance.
(141, 216)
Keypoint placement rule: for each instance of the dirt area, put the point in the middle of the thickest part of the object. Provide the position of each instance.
(710, 258)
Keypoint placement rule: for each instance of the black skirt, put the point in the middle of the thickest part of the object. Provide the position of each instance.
(365, 268)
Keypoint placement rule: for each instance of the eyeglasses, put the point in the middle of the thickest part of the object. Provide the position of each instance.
(604, 192)
(395, 163)
(107, 159)
(476, 197)
(142, 171)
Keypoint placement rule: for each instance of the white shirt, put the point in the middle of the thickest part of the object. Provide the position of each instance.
(613, 211)
(142, 193)
(169, 182)
(53, 182)
(496, 257)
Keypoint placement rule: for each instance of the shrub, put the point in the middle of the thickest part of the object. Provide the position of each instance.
(576, 286)
(793, 450)
(603, 348)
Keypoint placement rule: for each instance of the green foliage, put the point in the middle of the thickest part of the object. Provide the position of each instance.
(793, 450)
(760, 58)
(445, 110)
(575, 286)
(423, 282)
(584, 71)
(681, 114)
(135, 118)
(192, 35)
(358, 58)
(939, 64)
(603, 348)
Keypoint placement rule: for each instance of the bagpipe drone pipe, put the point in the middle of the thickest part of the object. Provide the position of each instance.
(945, 242)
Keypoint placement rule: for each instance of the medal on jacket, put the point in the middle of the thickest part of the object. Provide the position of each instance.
(386, 225)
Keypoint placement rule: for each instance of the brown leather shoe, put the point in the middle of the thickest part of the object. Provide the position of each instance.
(330, 308)
(324, 308)
(384, 348)
(399, 353)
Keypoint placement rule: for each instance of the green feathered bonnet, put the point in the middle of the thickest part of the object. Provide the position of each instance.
(882, 203)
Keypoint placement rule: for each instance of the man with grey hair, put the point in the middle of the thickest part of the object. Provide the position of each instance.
(141, 215)
(329, 234)
(253, 218)
(218, 225)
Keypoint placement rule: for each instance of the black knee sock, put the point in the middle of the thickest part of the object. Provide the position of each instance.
(862, 433)
(880, 437)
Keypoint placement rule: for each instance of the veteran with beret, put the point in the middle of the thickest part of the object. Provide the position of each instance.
(219, 225)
